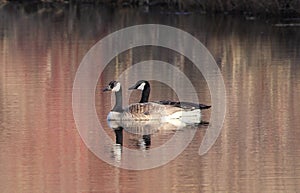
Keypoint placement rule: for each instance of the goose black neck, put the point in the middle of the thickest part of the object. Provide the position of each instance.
(118, 105)
(145, 95)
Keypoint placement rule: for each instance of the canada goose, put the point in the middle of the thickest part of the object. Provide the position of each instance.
(146, 110)
(190, 112)
(145, 87)
(136, 111)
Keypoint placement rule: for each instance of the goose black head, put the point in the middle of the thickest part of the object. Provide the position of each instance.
(113, 86)
(140, 85)
(144, 86)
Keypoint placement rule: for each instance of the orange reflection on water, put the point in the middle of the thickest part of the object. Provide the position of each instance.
(43, 152)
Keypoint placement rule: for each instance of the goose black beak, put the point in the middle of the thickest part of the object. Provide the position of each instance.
(106, 89)
(132, 88)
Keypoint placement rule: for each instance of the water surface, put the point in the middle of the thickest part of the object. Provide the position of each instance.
(41, 150)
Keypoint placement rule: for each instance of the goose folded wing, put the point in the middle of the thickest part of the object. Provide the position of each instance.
(184, 105)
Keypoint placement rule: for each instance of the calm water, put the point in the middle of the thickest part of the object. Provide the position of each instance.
(41, 150)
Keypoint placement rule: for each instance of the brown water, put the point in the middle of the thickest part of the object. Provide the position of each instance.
(41, 150)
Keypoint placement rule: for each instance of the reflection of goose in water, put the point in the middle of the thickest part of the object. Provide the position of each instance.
(144, 142)
(139, 134)
(149, 110)
(119, 135)
(142, 127)
(117, 148)
(143, 130)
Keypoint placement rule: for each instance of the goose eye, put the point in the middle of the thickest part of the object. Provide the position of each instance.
(112, 84)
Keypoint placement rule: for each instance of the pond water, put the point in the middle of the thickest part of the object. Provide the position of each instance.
(42, 151)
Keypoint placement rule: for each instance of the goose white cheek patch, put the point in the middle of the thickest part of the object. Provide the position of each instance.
(117, 87)
(141, 87)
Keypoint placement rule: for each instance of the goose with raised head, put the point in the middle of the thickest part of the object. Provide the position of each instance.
(188, 112)
(144, 86)
(137, 111)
